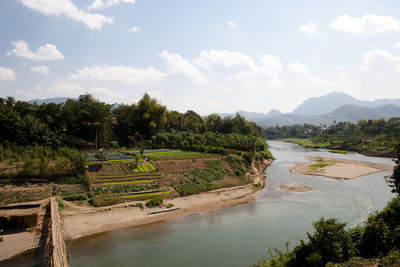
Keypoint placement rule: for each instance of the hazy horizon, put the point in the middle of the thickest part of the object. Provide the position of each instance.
(203, 56)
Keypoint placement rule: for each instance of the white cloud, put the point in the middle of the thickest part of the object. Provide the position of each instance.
(310, 28)
(231, 24)
(6, 74)
(305, 75)
(99, 4)
(380, 61)
(177, 65)
(224, 61)
(68, 9)
(369, 23)
(62, 88)
(41, 69)
(397, 45)
(298, 68)
(135, 29)
(119, 73)
(236, 65)
(43, 53)
(59, 88)
(106, 94)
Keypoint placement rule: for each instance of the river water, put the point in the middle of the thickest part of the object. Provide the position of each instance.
(240, 235)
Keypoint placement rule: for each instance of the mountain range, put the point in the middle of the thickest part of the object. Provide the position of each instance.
(56, 100)
(327, 109)
(316, 110)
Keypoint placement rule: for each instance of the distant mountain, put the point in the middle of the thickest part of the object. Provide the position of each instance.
(326, 109)
(56, 100)
(330, 102)
(253, 116)
(350, 113)
(273, 113)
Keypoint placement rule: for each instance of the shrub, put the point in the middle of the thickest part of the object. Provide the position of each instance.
(154, 202)
(60, 203)
(139, 205)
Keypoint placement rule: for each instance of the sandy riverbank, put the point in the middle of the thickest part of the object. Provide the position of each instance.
(295, 188)
(338, 168)
(83, 221)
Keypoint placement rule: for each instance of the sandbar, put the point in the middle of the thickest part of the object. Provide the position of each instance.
(295, 188)
(338, 168)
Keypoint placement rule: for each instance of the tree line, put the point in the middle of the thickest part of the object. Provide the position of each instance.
(374, 137)
(88, 120)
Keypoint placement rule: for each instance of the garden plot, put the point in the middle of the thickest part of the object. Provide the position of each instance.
(115, 182)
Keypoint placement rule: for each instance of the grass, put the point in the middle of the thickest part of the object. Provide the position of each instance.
(60, 203)
(306, 142)
(175, 154)
(149, 194)
(129, 182)
(318, 165)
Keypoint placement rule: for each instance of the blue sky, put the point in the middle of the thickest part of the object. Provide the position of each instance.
(208, 56)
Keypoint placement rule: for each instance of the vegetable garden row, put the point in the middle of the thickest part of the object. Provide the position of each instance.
(117, 182)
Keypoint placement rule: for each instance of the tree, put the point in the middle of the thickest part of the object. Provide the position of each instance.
(394, 179)
(330, 243)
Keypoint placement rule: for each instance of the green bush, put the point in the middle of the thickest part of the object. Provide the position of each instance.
(60, 203)
(154, 202)
(139, 205)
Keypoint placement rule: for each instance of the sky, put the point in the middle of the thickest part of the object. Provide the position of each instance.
(208, 56)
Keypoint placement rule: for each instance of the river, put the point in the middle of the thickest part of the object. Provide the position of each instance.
(240, 235)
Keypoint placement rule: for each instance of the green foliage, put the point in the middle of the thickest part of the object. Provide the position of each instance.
(170, 205)
(377, 137)
(46, 163)
(193, 186)
(101, 155)
(393, 257)
(214, 171)
(330, 242)
(200, 180)
(76, 197)
(315, 166)
(60, 203)
(394, 179)
(154, 202)
(239, 164)
(139, 205)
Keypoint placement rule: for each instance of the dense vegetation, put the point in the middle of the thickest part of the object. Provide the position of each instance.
(86, 121)
(333, 243)
(41, 139)
(373, 137)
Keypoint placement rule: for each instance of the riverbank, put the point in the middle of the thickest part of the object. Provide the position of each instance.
(338, 168)
(81, 221)
(338, 147)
